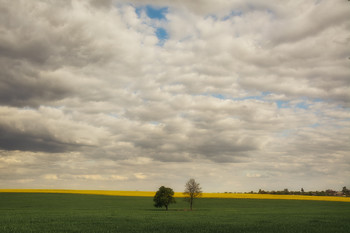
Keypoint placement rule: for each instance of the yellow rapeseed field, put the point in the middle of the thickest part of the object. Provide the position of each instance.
(270, 196)
(178, 194)
(96, 192)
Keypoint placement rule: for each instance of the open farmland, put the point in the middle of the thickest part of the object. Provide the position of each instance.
(57, 212)
(178, 194)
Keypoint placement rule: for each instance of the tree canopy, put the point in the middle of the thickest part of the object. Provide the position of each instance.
(164, 197)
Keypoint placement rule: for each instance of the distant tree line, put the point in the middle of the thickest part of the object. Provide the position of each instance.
(328, 192)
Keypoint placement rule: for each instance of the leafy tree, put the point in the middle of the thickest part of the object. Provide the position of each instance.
(346, 191)
(164, 197)
(192, 191)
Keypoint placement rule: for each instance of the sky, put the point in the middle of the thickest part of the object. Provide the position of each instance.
(240, 95)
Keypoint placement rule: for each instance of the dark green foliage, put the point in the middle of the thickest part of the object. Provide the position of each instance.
(328, 192)
(164, 197)
(51, 213)
(345, 191)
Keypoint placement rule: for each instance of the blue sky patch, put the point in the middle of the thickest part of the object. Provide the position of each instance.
(253, 97)
(219, 96)
(153, 12)
(302, 105)
(162, 34)
(138, 11)
(156, 13)
(282, 104)
(232, 14)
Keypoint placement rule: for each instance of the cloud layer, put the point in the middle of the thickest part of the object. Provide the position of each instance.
(240, 95)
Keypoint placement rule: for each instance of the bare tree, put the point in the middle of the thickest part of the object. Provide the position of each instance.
(192, 191)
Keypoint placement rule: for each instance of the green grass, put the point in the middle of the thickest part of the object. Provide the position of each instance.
(24, 212)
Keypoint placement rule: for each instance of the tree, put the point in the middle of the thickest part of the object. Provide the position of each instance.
(192, 191)
(345, 191)
(164, 197)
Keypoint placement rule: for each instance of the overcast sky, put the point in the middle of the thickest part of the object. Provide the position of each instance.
(132, 95)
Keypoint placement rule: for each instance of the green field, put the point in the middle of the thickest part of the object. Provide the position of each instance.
(25, 212)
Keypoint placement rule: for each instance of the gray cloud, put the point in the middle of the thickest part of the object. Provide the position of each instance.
(46, 130)
(22, 85)
(12, 140)
(314, 20)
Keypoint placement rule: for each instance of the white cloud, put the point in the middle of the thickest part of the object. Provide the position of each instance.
(50, 177)
(140, 176)
(253, 175)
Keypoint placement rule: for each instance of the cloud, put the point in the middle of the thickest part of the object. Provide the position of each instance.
(45, 130)
(140, 176)
(239, 94)
(50, 177)
(23, 85)
(315, 19)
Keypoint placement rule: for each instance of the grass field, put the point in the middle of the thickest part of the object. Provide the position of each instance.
(53, 212)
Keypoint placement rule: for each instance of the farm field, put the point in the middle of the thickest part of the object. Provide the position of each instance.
(179, 194)
(57, 212)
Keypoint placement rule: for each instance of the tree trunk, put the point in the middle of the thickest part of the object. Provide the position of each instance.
(166, 207)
